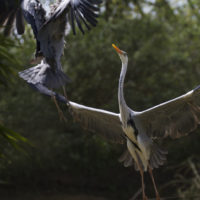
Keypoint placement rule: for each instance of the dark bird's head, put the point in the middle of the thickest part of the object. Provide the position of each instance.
(122, 54)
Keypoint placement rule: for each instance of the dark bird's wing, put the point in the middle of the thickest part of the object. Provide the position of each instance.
(79, 11)
(10, 11)
(99, 121)
(45, 91)
(174, 118)
(20, 21)
(34, 14)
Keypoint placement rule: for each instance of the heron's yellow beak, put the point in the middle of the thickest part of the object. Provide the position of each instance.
(117, 49)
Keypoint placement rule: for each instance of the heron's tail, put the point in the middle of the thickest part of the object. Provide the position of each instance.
(128, 161)
(158, 156)
(43, 74)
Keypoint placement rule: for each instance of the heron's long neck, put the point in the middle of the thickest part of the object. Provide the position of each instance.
(122, 103)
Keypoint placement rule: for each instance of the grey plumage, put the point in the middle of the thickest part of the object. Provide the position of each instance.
(92, 118)
(43, 74)
(49, 31)
(100, 121)
(110, 126)
(175, 118)
(83, 11)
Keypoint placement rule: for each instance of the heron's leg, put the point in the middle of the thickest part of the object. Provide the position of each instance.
(65, 93)
(38, 54)
(142, 179)
(136, 158)
(60, 112)
(154, 184)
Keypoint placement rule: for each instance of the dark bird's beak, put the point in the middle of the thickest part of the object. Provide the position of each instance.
(117, 49)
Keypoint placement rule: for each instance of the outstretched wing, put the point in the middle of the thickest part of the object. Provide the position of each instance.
(100, 121)
(79, 11)
(175, 118)
(10, 11)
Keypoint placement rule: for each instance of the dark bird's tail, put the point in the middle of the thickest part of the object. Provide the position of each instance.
(45, 75)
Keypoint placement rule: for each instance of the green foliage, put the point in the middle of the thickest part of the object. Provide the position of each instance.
(12, 138)
(8, 63)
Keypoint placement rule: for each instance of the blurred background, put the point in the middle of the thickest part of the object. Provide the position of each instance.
(44, 158)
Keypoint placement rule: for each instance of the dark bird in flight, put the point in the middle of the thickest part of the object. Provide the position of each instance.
(49, 30)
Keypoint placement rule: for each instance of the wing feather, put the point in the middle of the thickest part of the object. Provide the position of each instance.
(20, 22)
(175, 118)
(78, 11)
(9, 23)
(100, 121)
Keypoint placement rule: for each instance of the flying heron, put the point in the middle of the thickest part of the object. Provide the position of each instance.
(34, 14)
(138, 130)
(174, 118)
(49, 30)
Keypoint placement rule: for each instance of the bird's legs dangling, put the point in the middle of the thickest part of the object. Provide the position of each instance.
(133, 153)
(142, 179)
(60, 112)
(154, 184)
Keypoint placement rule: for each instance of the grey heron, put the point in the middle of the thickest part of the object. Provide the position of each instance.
(174, 118)
(138, 130)
(49, 31)
(78, 10)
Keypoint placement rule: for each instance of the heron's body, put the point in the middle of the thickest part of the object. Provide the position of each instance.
(138, 130)
(49, 31)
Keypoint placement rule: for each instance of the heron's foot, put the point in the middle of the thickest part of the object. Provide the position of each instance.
(36, 60)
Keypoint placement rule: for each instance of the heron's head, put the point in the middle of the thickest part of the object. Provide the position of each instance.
(122, 54)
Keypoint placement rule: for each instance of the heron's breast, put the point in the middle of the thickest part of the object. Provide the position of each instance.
(130, 133)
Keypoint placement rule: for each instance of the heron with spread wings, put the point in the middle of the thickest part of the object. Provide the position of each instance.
(49, 31)
(139, 130)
